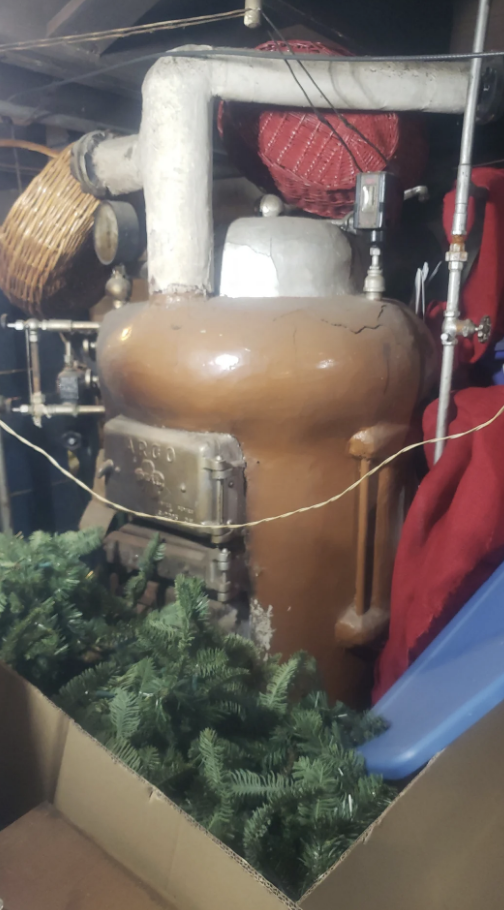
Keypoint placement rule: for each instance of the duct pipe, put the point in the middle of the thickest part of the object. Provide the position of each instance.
(172, 157)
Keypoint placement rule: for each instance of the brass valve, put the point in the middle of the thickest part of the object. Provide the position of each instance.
(466, 328)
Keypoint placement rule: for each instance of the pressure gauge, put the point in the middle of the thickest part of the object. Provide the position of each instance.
(116, 233)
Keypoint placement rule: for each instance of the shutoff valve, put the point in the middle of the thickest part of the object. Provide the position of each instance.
(466, 328)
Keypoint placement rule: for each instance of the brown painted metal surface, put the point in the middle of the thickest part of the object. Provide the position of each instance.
(295, 381)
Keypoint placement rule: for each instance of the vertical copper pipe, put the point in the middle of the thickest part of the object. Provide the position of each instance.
(362, 539)
(5, 506)
(386, 533)
(35, 363)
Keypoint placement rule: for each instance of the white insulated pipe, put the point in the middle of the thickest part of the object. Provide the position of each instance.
(172, 157)
(116, 164)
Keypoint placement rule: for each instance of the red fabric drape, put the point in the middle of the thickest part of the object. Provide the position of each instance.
(453, 537)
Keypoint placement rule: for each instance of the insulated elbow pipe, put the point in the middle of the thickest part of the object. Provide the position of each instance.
(171, 158)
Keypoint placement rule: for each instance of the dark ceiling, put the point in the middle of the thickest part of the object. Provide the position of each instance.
(370, 25)
(99, 97)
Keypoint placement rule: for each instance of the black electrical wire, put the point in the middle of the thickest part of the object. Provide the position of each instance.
(337, 113)
(210, 53)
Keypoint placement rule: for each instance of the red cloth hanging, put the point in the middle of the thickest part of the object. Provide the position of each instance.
(453, 537)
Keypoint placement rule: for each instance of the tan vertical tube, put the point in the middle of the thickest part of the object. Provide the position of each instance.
(362, 539)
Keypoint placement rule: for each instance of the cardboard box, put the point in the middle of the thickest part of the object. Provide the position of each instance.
(438, 847)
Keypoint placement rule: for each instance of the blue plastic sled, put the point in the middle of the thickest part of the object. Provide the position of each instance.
(455, 682)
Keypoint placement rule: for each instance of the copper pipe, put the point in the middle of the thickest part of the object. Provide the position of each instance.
(35, 363)
(386, 532)
(362, 539)
(29, 146)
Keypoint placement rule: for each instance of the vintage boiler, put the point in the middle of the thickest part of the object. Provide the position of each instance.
(259, 378)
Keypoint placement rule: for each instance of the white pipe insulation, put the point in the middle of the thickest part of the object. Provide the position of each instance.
(172, 157)
(117, 166)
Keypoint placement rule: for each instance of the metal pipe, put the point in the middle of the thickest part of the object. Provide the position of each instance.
(50, 410)
(457, 254)
(35, 362)
(176, 136)
(362, 539)
(115, 165)
(53, 325)
(172, 157)
(5, 507)
(35, 385)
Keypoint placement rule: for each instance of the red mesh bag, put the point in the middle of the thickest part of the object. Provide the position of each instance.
(293, 152)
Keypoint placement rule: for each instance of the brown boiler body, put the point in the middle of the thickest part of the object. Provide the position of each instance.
(315, 391)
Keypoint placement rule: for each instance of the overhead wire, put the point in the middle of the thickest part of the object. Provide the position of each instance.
(260, 521)
(116, 33)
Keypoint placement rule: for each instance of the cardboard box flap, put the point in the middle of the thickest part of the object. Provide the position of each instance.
(32, 740)
(47, 757)
(137, 825)
(439, 846)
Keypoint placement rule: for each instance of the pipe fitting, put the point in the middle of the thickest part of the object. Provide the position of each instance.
(454, 328)
(374, 285)
(449, 332)
(106, 165)
(82, 165)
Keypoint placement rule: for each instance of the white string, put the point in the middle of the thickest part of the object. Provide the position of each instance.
(259, 521)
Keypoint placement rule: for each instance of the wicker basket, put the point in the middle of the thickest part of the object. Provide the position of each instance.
(47, 263)
(312, 165)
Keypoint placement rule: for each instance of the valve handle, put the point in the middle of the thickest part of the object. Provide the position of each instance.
(484, 329)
